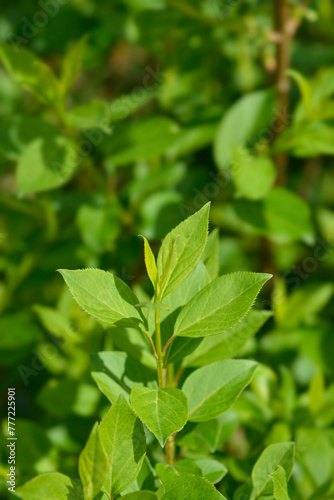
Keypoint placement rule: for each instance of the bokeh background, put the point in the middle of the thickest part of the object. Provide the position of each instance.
(160, 106)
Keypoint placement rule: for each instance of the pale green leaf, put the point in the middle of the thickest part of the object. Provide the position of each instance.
(213, 470)
(242, 122)
(87, 116)
(189, 487)
(253, 176)
(50, 486)
(229, 343)
(93, 465)
(72, 64)
(115, 373)
(151, 266)
(123, 438)
(46, 163)
(212, 389)
(220, 305)
(30, 72)
(180, 468)
(280, 484)
(163, 411)
(273, 456)
(104, 296)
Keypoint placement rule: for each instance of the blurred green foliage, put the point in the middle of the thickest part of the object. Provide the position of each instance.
(122, 118)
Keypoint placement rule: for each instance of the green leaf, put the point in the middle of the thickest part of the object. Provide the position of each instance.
(99, 226)
(211, 254)
(281, 216)
(304, 87)
(253, 176)
(143, 140)
(280, 484)
(93, 465)
(315, 453)
(273, 456)
(72, 64)
(18, 336)
(213, 470)
(115, 373)
(53, 486)
(316, 392)
(179, 468)
(306, 140)
(123, 437)
(87, 116)
(198, 278)
(141, 495)
(212, 389)
(228, 344)
(144, 481)
(17, 132)
(30, 72)
(208, 437)
(187, 241)
(192, 139)
(104, 296)
(163, 411)
(189, 486)
(128, 104)
(46, 163)
(151, 266)
(220, 305)
(241, 123)
(62, 397)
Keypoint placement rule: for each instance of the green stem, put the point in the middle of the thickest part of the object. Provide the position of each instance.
(170, 445)
(160, 357)
(170, 450)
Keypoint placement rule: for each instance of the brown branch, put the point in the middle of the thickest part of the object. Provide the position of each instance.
(284, 33)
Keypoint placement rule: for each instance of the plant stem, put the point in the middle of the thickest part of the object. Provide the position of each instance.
(170, 450)
(282, 19)
(170, 445)
(160, 357)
